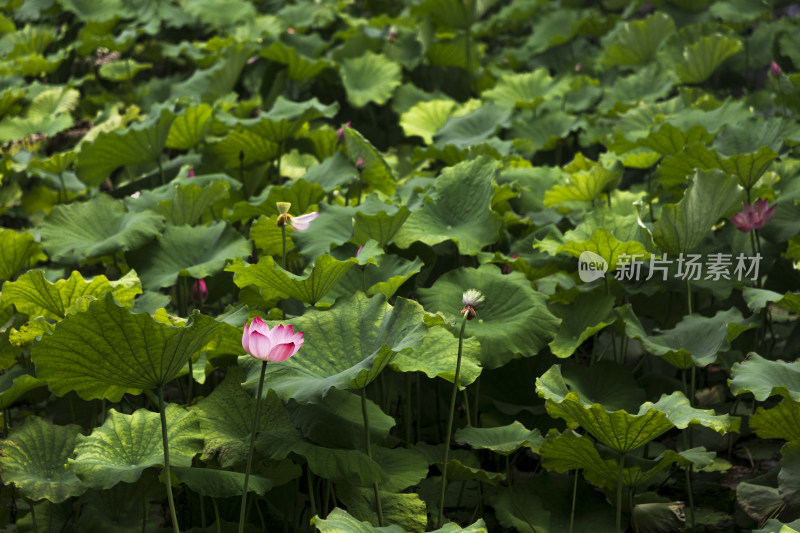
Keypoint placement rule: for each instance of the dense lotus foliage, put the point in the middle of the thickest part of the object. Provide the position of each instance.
(618, 181)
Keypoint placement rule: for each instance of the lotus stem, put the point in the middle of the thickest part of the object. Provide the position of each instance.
(477, 422)
(574, 501)
(619, 492)
(216, 515)
(243, 510)
(449, 430)
(311, 496)
(407, 409)
(167, 475)
(368, 445)
(33, 516)
(283, 239)
(689, 494)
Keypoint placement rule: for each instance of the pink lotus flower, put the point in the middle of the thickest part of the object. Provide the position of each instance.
(199, 291)
(275, 345)
(190, 174)
(753, 217)
(296, 223)
(360, 164)
(775, 69)
(340, 132)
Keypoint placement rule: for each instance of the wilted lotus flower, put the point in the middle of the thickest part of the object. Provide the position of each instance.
(753, 217)
(340, 132)
(275, 345)
(296, 223)
(775, 69)
(471, 299)
(199, 291)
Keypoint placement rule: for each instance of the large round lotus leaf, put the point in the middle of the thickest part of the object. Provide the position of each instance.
(503, 440)
(514, 319)
(17, 250)
(108, 351)
(120, 449)
(34, 459)
(461, 210)
(339, 521)
(764, 378)
(101, 226)
(345, 347)
(618, 429)
(220, 483)
(370, 78)
(34, 295)
(15, 383)
(226, 419)
(189, 251)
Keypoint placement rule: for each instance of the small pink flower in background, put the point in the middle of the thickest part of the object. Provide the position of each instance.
(275, 345)
(360, 163)
(340, 132)
(199, 291)
(252, 60)
(190, 174)
(578, 67)
(290, 31)
(775, 69)
(507, 269)
(753, 217)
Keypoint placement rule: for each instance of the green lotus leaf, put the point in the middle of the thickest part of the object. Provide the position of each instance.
(101, 226)
(702, 58)
(120, 508)
(286, 117)
(695, 340)
(452, 527)
(764, 378)
(637, 41)
(752, 135)
(139, 143)
(460, 210)
(100, 11)
(683, 225)
(503, 440)
(545, 505)
(437, 355)
(34, 459)
(669, 140)
(473, 128)
(33, 295)
(222, 15)
(217, 81)
(378, 221)
(122, 70)
(618, 429)
(252, 146)
(406, 510)
(191, 202)
(384, 278)
(376, 172)
(108, 351)
(789, 475)
(780, 422)
(220, 483)
(582, 186)
(323, 275)
(335, 171)
(587, 315)
(189, 251)
(370, 78)
(546, 132)
(125, 445)
(190, 127)
(526, 90)
(340, 521)
(336, 464)
(17, 251)
(759, 497)
(15, 383)
(748, 167)
(342, 410)
(226, 420)
(345, 347)
(513, 320)
(301, 67)
(608, 247)
(454, 53)
(450, 13)
(426, 118)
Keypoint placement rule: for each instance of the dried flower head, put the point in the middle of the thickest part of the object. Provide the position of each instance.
(296, 223)
(472, 299)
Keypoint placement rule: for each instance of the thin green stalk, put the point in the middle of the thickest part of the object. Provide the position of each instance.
(33, 517)
(689, 295)
(475, 411)
(167, 475)
(283, 240)
(456, 380)
(466, 407)
(311, 495)
(407, 408)
(574, 501)
(161, 170)
(216, 515)
(243, 510)
(203, 512)
(619, 492)
(689, 494)
(368, 445)
(260, 517)
(358, 190)
(144, 510)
